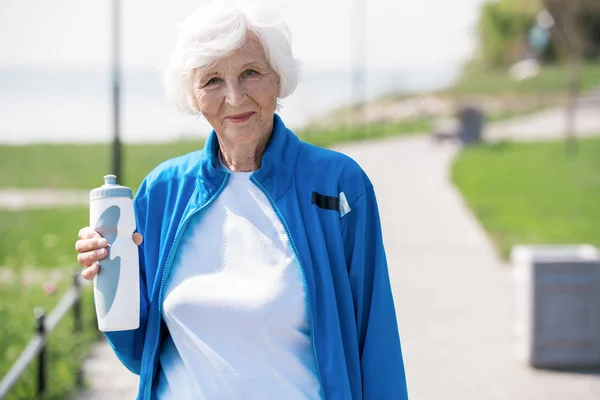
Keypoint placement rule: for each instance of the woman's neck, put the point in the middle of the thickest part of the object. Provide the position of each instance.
(243, 158)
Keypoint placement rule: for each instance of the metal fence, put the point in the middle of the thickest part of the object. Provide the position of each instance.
(37, 347)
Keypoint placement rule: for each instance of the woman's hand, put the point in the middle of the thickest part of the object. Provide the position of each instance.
(92, 248)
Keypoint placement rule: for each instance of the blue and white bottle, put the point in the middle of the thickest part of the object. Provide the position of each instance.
(117, 285)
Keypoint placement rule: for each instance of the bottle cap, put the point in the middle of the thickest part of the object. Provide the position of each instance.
(110, 189)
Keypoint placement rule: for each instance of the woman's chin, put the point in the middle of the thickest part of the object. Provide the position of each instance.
(248, 132)
(241, 136)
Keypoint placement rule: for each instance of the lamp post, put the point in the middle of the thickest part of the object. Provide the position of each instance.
(358, 27)
(116, 89)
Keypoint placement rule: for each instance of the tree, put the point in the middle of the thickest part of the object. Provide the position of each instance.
(577, 31)
(503, 26)
(577, 26)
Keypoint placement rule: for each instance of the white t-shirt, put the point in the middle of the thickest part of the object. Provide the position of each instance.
(235, 306)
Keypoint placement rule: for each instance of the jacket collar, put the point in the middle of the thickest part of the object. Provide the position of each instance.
(277, 165)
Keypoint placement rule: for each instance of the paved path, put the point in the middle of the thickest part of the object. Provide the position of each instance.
(108, 379)
(453, 295)
(551, 123)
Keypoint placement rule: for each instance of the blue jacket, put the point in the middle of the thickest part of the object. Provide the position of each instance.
(351, 311)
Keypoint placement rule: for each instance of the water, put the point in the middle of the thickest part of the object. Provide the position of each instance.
(74, 105)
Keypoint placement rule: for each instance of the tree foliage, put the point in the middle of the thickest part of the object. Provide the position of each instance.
(504, 27)
(577, 26)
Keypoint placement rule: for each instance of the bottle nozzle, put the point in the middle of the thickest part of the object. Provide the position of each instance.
(110, 179)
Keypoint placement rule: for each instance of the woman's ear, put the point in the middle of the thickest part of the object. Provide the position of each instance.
(194, 104)
(197, 105)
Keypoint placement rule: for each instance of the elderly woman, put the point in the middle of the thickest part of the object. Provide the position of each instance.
(263, 271)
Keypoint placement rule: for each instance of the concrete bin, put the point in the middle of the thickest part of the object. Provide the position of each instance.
(557, 293)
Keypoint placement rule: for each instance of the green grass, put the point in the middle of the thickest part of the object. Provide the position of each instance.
(40, 238)
(551, 80)
(36, 249)
(330, 137)
(502, 98)
(533, 193)
(66, 350)
(82, 166)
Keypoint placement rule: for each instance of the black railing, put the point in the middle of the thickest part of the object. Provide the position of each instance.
(37, 345)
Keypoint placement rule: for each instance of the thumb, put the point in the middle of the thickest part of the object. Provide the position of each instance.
(137, 238)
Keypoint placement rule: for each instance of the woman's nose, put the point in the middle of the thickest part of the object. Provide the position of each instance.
(235, 94)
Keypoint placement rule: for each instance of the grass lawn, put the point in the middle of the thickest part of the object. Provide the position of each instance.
(66, 350)
(328, 138)
(551, 80)
(83, 166)
(36, 249)
(501, 97)
(40, 238)
(533, 193)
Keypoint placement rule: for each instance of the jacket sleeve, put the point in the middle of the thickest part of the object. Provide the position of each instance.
(382, 365)
(128, 345)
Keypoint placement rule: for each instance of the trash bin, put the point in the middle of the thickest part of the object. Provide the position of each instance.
(557, 292)
(471, 125)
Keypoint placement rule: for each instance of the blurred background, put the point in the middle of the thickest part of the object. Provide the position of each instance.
(496, 103)
(60, 54)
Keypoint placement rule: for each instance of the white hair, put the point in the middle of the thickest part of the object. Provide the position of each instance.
(219, 28)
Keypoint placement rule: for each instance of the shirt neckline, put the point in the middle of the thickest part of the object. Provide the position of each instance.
(234, 174)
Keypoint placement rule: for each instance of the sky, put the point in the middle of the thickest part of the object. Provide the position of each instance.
(399, 33)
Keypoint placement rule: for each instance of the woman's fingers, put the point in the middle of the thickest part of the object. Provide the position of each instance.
(85, 245)
(89, 257)
(92, 248)
(87, 233)
(90, 272)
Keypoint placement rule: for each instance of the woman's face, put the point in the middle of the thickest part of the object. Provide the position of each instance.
(237, 94)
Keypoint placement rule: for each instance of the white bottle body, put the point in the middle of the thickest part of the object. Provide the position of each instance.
(117, 284)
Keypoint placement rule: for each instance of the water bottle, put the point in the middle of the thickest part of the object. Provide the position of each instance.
(117, 285)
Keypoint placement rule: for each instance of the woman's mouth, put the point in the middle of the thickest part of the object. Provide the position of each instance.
(238, 118)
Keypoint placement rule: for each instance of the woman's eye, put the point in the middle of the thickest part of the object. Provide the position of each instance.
(249, 73)
(213, 81)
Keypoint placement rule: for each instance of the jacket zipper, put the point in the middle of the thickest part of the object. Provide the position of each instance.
(308, 301)
(165, 274)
